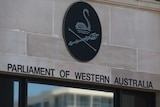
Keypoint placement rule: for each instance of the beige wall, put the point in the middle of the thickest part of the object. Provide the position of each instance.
(131, 36)
(31, 34)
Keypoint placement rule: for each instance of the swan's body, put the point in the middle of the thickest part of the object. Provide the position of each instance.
(82, 27)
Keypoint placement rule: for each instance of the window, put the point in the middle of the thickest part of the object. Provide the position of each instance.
(9, 92)
(137, 99)
(64, 100)
(46, 104)
(68, 100)
(14, 94)
(58, 101)
(59, 96)
(83, 100)
(37, 105)
(30, 105)
(38, 94)
(103, 101)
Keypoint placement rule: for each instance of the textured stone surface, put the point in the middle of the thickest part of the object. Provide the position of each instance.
(147, 30)
(149, 3)
(121, 57)
(47, 47)
(38, 16)
(135, 28)
(123, 27)
(59, 9)
(148, 61)
(118, 57)
(12, 42)
(11, 14)
(126, 1)
(29, 15)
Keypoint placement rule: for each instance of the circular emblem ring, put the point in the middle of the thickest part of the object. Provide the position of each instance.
(82, 31)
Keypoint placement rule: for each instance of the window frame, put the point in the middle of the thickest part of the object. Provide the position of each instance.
(23, 88)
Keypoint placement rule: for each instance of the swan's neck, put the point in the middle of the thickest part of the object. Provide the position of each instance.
(85, 11)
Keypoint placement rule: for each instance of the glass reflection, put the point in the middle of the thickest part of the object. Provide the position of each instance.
(16, 93)
(40, 95)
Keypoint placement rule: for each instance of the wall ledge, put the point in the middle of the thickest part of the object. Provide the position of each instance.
(150, 5)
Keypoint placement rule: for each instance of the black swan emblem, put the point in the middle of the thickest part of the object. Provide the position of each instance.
(82, 27)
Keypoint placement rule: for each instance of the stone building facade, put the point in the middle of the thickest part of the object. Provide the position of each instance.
(31, 37)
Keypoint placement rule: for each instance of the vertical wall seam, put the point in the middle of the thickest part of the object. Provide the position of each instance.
(26, 43)
(137, 59)
(110, 26)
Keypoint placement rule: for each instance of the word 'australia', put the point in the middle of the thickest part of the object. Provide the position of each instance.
(133, 83)
(92, 77)
(31, 70)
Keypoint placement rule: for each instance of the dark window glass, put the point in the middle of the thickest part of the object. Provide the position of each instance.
(37, 105)
(9, 92)
(137, 99)
(46, 104)
(30, 105)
